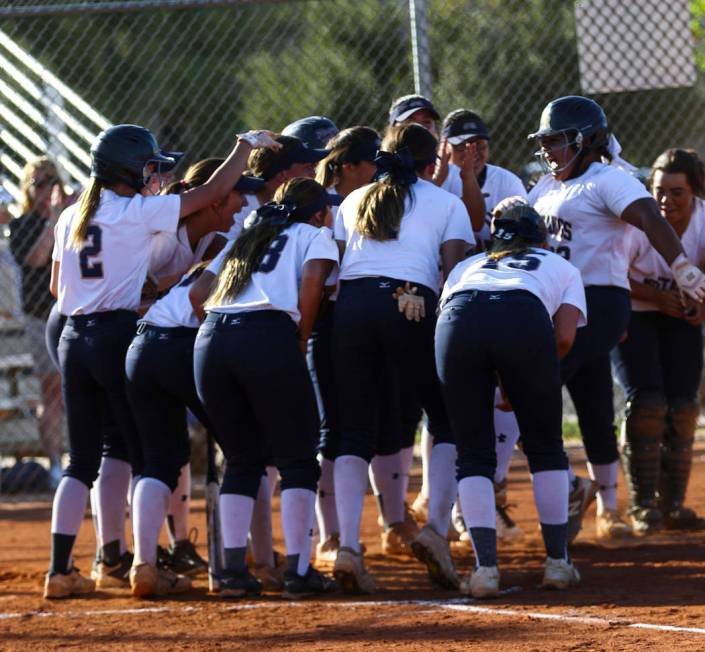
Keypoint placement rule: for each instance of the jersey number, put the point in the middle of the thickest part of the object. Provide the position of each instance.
(92, 248)
(271, 257)
(526, 262)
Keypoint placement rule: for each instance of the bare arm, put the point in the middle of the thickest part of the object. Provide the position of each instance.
(313, 280)
(54, 281)
(644, 214)
(667, 301)
(452, 252)
(472, 197)
(199, 293)
(565, 324)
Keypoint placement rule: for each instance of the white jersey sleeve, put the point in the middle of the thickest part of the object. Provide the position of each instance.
(453, 183)
(174, 308)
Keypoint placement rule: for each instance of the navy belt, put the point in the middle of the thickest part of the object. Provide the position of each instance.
(176, 331)
(249, 317)
(95, 318)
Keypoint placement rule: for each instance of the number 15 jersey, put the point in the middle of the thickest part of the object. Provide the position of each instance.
(546, 275)
(109, 270)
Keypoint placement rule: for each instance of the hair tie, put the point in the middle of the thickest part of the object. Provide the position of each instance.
(397, 166)
(276, 214)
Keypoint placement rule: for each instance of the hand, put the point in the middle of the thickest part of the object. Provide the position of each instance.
(689, 278)
(507, 203)
(669, 302)
(693, 312)
(412, 305)
(467, 162)
(440, 174)
(259, 139)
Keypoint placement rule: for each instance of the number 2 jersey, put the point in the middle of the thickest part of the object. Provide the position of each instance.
(109, 270)
(275, 283)
(546, 275)
(647, 265)
(582, 216)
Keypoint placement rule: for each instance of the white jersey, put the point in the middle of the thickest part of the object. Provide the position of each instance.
(432, 216)
(174, 309)
(648, 267)
(545, 274)
(582, 217)
(172, 255)
(108, 272)
(239, 218)
(275, 284)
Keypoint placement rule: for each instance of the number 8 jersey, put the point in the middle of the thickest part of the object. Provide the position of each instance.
(275, 283)
(546, 275)
(109, 270)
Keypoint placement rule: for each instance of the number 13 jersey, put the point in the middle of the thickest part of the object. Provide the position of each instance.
(582, 217)
(275, 283)
(546, 275)
(110, 268)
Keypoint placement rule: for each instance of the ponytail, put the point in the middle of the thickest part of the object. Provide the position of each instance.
(87, 206)
(352, 145)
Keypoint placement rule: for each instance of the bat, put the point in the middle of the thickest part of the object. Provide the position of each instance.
(215, 541)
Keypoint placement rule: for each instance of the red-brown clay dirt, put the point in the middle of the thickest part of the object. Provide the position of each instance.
(658, 581)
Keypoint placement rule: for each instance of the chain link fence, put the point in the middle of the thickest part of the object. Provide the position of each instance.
(197, 72)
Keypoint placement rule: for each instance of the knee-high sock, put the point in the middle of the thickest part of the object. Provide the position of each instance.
(387, 473)
(180, 506)
(272, 479)
(111, 490)
(551, 490)
(426, 448)
(150, 504)
(235, 518)
(261, 526)
(350, 488)
(507, 434)
(297, 515)
(443, 486)
(96, 526)
(477, 501)
(606, 477)
(325, 501)
(407, 458)
(66, 516)
(131, 498)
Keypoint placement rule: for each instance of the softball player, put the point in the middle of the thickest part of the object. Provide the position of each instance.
(314, 131)
(660, 363)
(394, 233)
(510, 314)
(587, 205)
(100, 263)
(249, 350)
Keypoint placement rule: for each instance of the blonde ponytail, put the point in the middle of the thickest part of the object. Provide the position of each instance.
(87, 206)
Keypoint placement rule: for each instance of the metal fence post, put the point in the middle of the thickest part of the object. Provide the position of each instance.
(419, 47)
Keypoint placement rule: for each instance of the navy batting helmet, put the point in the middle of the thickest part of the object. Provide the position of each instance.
(315, 131)
(119, 155)
(520, 221)
(574, 113)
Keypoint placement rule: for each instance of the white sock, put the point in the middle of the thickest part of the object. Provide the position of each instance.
(69, 506)
(387, 473)
(297, 513)
(235, 518)
(96, 524)
(551, 496)
(606, 477)
(325, 501)
(477, 502)
(261, 526)
(443, 486)
(407, 458)
(111, 489)
(272, 479)
(426, 448)
(151, 500)
(180, 506)
(131, 500)
(507, 435)
(350, 489)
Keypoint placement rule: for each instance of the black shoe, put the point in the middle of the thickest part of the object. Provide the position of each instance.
(239, 585)
(163, 558)
(313, 583)
(184, 559)
(112, 576)
(683, 518)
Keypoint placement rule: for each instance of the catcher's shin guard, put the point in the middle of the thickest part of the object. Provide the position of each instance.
(642, 435)
(677, 453)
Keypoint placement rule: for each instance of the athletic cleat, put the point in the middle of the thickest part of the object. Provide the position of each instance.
(239, 585)
(645, 520)
(327, 551)
(482, 583)
(582, 493)
(610, 526)
(60, 585)
(397, 539)
(313, 583)
(351, 574)
(271, 578)
(419, 508)
(683, 518)
(433, 550)
(146, 580)
(184, 559)
(559, 574)
(116, 576)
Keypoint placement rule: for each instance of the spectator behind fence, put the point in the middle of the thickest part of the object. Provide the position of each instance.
(31, 243)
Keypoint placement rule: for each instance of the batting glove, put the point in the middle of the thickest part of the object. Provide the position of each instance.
(689, 278)
(259, 139)
(410, 304)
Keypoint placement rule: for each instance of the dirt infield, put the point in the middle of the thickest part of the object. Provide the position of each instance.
(648, 596)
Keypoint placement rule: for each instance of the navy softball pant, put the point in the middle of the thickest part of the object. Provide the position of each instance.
(587, 373)
(114, 444)
(662, 356)
(482, 335)
(254, 385)
(92, 358)
(160, 388)
(368, 330)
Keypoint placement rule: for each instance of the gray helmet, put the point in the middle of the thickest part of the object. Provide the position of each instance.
(315, 130)
(577, 114)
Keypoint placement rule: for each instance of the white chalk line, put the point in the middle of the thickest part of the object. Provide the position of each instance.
(458, 605)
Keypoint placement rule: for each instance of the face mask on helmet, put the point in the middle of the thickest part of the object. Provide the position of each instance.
(559, 150)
